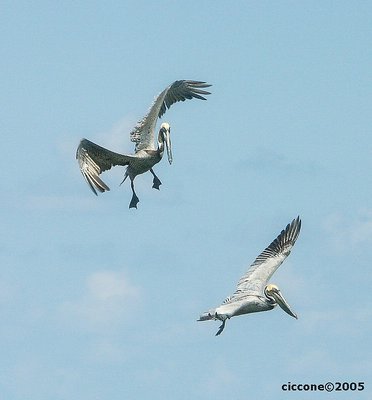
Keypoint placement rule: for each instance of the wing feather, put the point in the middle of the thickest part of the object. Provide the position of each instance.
(94, 159)
(143, 132)
(263, 267)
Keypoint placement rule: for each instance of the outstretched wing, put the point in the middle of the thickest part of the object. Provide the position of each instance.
(143, 132)
(94, 159)
(263, 267)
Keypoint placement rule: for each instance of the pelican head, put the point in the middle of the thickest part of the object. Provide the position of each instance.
(273, 293)
(211, 314)
(164, 137)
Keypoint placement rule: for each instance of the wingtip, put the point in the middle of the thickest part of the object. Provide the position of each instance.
(297, 223)
(293, 229)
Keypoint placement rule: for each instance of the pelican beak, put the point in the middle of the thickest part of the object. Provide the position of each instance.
(282, 303)
(169, 147)
(205, 317)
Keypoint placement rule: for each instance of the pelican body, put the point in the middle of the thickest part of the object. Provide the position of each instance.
(94, 159)
(253, 294)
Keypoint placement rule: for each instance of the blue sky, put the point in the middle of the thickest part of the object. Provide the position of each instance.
(100, 302)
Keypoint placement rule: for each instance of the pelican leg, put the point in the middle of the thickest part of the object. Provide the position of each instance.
(125, 177)
(221, 328)
(135, 199)
(156, 181)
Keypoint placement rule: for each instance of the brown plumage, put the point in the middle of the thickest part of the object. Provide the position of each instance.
(94, 159)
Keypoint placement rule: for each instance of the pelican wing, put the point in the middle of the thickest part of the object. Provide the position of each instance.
(263, 267)
(94, 159)
(143, 132)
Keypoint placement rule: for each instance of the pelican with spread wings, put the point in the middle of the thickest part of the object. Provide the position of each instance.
(94, 159)
(253, 293)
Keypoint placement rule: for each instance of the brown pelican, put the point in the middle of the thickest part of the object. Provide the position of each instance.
(94, 159)
(253, 294)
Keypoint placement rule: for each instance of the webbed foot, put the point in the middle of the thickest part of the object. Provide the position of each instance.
(156, 182)
(221, 328)
(134, 201)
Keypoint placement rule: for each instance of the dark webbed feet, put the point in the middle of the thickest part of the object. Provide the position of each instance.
(221, 328)
(134, 201)
(156, 181)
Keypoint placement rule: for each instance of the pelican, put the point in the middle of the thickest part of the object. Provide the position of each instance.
(253, 294)
(94, 159)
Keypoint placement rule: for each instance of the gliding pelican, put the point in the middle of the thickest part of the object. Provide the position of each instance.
(94, 159)
(252, 293)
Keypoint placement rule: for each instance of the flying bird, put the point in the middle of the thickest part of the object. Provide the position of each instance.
(253, 293)
(94, 159)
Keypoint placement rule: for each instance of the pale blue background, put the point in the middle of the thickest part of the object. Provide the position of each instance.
(100, 302)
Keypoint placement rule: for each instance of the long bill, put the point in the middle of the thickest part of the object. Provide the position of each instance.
(281, 301)
(206, 317)
(168, 145)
